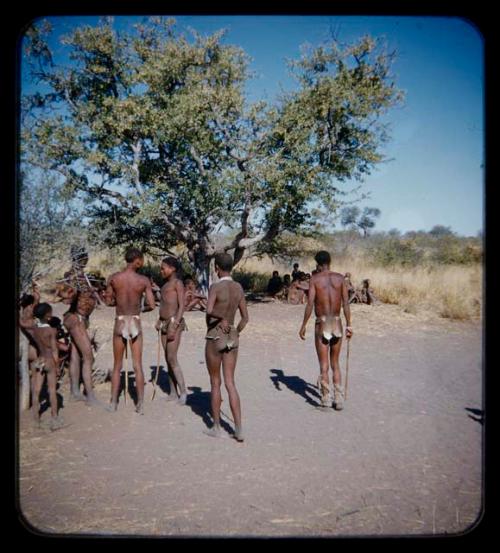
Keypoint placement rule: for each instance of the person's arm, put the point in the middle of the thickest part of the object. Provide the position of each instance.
(308, 311)
(347, 310)
(109, 293)
(36, 293)
(54, 348)
(242, 306)
(150, 299)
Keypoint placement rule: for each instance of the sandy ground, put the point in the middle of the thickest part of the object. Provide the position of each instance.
(404, 457)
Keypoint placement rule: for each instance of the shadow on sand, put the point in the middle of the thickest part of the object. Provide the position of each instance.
(199, 402)
(297, 385)
(477, 414)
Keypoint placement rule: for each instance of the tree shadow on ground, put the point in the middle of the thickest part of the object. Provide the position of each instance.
(258, 298)
(199, 402)
(297, 385)
(477, 415)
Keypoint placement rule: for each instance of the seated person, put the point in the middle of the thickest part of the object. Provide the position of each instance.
(296, 292)
(193, 297)
(275, 284)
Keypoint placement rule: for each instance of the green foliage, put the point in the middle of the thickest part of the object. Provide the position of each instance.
(251, 281)
(157, 139)
(397, 252)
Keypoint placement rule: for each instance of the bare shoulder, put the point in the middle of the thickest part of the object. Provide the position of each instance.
(113, 276)
(337, 276)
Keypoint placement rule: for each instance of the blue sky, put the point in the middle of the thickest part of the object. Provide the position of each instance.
(435, 176)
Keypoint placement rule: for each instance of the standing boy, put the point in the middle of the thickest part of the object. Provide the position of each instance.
(222, 340)
(327, 293)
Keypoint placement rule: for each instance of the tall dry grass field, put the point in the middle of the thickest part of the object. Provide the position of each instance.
(450, 291)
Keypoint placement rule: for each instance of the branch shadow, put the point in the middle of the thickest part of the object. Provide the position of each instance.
(163, 382)
(477, 415)
(199, 402)
(297, 385)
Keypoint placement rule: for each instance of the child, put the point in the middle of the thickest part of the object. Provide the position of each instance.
(47, 363)
(63, 344)
(192, 296)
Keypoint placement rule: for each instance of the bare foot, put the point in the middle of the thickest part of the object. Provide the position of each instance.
(112, 407)
(182, 399)
(77, 397)
(139, 408)
(56, 423)
(171, 397)
(238, 435)
(213, 432)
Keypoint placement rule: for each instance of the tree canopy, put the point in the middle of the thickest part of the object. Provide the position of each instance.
(152, 130)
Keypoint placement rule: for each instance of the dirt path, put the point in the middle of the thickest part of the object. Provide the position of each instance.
(403, 457)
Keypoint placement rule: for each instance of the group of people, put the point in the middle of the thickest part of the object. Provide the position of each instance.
(132, 293)
(294, 288)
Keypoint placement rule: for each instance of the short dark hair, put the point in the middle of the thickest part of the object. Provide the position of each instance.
(27, 299)
(276, 273)
(172, 261)
(224, 261)
(132, 254)
(295, 265)
(41, 310)
(55, 322)
(323, 258)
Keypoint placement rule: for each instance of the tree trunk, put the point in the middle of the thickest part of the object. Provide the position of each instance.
(201, 263)
(24, 375)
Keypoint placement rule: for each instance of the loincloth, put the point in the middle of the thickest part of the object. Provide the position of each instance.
(82, 318)
(40, 364)
(127, 326)
(329, 327)
(168, 325)
(225, 341)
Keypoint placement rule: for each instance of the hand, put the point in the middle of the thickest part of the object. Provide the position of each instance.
(158, 325)
(302, 332)
(348, 332)
(225, 326)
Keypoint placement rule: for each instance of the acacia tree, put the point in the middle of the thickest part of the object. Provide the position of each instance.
(153, 131)
(354, 218)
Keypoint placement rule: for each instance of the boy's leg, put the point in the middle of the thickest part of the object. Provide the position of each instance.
(37, 388)
(170, 374)
(118, 351)
(338, 392)
(136, 350)
(228, 366)
(322, 349)
(74, 374)
(213, 359)
(173, 365)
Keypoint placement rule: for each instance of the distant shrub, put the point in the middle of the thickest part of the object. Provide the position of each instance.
(393, 251)
(251, 281)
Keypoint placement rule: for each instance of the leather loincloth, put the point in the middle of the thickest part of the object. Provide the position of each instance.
(127, 326)
(329, 327)
(168, 324)
(224, 341)
(82, 318)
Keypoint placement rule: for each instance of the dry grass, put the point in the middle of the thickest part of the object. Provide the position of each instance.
(450, 291)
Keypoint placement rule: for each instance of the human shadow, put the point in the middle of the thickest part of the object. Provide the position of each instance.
(199, 402)
(162, 381)
(477, 415)
(297, 385)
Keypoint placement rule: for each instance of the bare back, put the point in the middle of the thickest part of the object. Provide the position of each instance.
(328, 292)
(45, 339)
(228, 295)
(128, 287)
